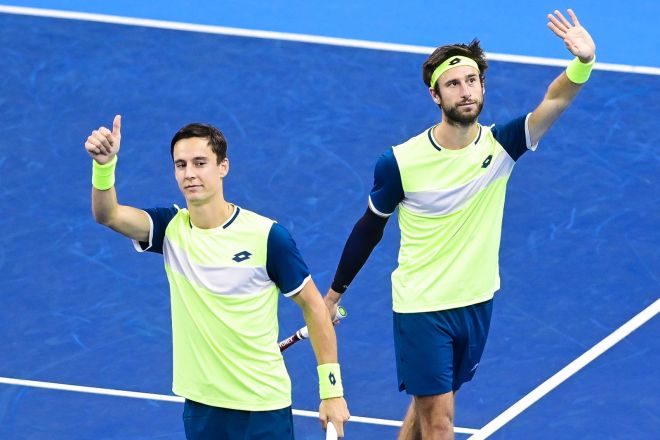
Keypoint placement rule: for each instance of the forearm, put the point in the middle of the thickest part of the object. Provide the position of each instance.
(558, 97)
(104, 205)
(560, 94)
(366, 234)
(565, 87)
(321, 331)
(131, 222)
(104, 196)
(562, 91)
(323, 339)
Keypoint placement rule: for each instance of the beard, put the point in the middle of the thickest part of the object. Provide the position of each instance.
(458, 117)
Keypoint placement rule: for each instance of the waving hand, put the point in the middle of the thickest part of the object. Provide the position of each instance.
(576, 38)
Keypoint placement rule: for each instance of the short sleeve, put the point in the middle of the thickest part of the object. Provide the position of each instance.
(284, 264)
(387, 191)
(159, 219)
(514, 137)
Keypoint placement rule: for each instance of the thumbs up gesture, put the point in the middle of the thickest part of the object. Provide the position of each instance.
(102, 145)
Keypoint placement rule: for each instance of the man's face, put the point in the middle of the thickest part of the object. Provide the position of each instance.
(196, 170)
(461, 95)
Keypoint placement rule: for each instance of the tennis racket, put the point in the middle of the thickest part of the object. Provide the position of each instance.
(303, 333)
(331, 432)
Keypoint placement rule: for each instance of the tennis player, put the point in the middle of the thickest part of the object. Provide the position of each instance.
(224, 265)
(449, 184)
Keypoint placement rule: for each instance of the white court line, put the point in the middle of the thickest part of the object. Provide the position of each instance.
(302, 38)
(176, 399)
(569, 370)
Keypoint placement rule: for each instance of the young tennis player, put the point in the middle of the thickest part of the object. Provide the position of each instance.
(225, 265)
(449, 184)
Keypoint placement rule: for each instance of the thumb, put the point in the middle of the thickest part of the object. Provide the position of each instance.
(116, 126)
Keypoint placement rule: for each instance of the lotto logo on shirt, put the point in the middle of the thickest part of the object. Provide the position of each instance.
(241, 256)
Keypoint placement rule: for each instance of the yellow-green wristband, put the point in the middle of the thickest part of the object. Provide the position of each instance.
(103, 176)
(578, 72)
(330, 381)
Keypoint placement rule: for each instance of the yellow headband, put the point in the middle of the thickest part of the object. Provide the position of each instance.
(450, 63)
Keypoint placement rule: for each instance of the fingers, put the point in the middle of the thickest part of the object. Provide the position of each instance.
(335, 411)
(563, 19)
(103, 142)
(576, 38)
(556, 25)
(558, 32)
(92, 148)
(339, 427)
(338, 424)
(576, 22)
(116, 126)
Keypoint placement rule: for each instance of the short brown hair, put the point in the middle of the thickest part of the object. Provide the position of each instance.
(442, 53)
(216, 139)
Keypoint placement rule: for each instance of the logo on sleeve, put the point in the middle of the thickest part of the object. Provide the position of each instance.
(487, 161)
(241, 256)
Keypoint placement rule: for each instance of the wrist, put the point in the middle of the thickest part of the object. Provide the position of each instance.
(330, 384)
(578, 71)
(103, 175)
(589, 60)
(338, 288)
(333, 296)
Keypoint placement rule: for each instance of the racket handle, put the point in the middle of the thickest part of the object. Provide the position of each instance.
(303, 333)
(331, 432)
(288, 342)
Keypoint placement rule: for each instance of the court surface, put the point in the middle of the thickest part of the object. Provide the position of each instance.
(305, 123)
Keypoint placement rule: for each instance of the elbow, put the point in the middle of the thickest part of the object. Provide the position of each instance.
(102, 218)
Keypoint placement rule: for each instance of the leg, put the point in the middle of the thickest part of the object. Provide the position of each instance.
(435, 415)
(424, 355)
(410, 429)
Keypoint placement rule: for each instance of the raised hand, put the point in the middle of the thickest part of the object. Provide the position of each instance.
(102, 145)
(576, 38)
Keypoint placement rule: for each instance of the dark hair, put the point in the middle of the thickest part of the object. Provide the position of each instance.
(216, 139)
(443, 53)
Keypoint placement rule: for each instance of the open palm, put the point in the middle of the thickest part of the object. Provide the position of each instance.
(576, 38)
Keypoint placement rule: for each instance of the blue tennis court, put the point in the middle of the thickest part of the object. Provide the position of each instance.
(580, 253)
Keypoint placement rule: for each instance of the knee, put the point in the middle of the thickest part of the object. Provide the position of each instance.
(436, 418)
(441, 426)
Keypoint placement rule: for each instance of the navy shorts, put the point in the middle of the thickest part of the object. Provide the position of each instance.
(437, 352)
(203, 422)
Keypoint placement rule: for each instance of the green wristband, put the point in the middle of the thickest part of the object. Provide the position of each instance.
(578, 72)
(103, 176)
(330, 381)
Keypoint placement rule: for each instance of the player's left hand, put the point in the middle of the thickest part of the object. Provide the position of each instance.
(576, 38)
(334, 410)
(331, 300)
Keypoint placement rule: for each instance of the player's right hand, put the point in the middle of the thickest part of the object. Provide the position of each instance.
(336, 411)
(102, 145)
